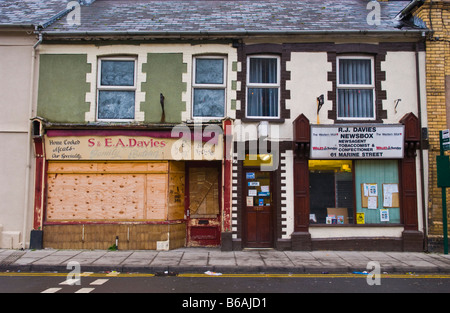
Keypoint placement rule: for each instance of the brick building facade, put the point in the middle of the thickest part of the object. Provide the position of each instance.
(436, 15)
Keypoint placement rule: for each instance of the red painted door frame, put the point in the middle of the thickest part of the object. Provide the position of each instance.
(203, 231)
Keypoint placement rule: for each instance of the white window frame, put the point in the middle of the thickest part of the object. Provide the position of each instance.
(209, 86)
(116, 88)
(353, 86)
(262, 85)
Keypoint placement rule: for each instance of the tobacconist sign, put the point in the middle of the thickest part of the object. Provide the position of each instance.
(362, 141)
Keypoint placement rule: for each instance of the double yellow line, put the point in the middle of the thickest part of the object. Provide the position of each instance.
(194, 275)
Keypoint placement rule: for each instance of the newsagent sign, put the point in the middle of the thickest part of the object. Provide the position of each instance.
(357, 141)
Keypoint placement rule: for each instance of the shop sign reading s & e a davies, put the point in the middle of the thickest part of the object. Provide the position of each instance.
(130, 148)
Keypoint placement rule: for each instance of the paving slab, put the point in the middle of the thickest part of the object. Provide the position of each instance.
(112, 258)
(167, 258)
(248, 259)
(442, 262)
(91, 254)
(303, 261)
(276, 259)
(356, 260)
(331, 262)
(140, 258)
(218, 258)
(411, 262)
(194, 259)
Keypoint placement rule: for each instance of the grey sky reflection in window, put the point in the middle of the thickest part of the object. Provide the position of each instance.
(117, 73)
(209, 87)
(209, 71)
(209, 102)
(116, 104)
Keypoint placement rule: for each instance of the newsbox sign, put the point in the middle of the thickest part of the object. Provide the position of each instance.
(357, 141)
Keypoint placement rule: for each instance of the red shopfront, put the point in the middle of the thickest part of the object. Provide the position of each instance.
(97, 188)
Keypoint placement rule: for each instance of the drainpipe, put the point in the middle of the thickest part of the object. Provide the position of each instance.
(37, 44)
(28, 156)
(419, 112)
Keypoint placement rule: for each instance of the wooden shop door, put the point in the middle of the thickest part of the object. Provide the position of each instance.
(258, 208)
(203, 204)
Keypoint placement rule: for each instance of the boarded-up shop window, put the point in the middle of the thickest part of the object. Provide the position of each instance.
(209, 87)
(204, 192)
(116, 89)
(107, 191)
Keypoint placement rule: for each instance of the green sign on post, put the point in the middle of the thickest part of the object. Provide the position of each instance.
(445, 140)
(443, 173)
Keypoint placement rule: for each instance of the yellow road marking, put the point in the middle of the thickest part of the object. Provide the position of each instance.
(193, 275)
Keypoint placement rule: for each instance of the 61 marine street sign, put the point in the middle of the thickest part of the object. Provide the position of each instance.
(363, 141)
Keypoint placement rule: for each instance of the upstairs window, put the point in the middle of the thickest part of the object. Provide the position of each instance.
(209, 84)
(263, 87)
(116, 89)
(355, 88)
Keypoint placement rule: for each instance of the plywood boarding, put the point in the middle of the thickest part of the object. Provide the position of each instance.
(176, 190)
(156, 197)
(103, 236)
(108, 167)
(120, 191)
(203, 192)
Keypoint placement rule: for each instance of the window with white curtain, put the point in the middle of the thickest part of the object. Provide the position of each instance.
(263, 87)
(355, 88)
(209, 82)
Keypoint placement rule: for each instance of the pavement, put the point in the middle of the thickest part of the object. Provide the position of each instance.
(216, 262)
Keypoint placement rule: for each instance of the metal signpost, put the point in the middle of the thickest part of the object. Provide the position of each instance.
(443, 176)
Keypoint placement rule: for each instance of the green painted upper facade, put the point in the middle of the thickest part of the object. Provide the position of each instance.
(164, 76)
(62, 87)
(67, 81)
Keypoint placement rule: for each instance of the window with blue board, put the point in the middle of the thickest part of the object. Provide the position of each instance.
(377, 191)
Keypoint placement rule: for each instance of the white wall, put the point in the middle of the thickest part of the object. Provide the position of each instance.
(16, 150)
(309, 80)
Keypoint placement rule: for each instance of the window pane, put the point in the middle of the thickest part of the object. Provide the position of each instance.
(381, 173)
(331, 191)
(262, 102)
(263, 70)
(209, 71)
(209, 102)
(116, 104)
(355, 103)
(117, 73)
(355, 72)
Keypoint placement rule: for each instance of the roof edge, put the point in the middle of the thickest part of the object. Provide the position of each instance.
(230, 33)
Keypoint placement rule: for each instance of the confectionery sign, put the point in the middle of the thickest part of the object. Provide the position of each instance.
(357, 141)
